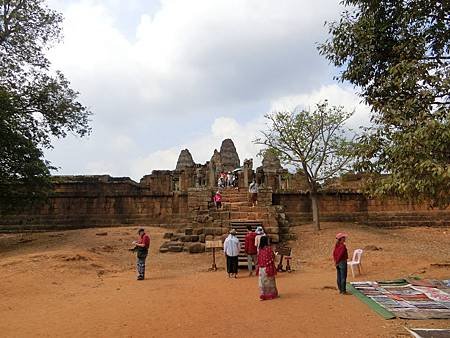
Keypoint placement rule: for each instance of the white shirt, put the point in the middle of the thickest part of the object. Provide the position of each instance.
(231, 246)
(253, 188)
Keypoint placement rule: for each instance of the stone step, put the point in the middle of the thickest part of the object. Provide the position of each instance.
(235, 199)
(434, 223)
(246, 208)
(234, 191)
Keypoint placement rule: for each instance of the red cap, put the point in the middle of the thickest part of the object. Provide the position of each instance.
(341, 235)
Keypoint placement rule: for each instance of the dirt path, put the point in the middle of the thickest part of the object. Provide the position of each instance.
(77, 284)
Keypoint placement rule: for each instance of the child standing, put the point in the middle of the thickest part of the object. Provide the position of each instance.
(340, 256)
(218, 200)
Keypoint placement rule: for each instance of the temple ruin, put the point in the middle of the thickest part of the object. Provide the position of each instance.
(181, 198)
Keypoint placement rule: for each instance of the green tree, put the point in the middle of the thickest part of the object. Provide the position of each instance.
(315, 142)
(398, 54)
(35, 103)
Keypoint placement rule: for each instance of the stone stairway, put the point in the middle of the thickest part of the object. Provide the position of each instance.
(236, 207)
(241, 229)
(237, 212)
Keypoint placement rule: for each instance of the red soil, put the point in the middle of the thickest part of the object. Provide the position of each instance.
(77, 284)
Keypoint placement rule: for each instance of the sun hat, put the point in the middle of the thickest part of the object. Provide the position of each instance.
(341, 235)
(233, 232)
(259, 230)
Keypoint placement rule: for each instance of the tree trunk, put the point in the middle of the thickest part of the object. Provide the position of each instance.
(315, 209)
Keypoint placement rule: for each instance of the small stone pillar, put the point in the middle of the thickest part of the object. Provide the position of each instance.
(265, 196)
(248, 168)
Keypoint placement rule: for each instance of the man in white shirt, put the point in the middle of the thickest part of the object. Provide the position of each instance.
(253, 190)
(231, 248)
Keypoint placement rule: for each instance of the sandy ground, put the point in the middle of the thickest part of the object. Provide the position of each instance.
(78, 284)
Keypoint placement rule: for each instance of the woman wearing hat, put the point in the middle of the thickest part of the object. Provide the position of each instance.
(340, 256)
(266, 271)
(259, 233)
(231, 248)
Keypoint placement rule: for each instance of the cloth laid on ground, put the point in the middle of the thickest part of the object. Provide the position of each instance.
(429, 333)
(401, 299)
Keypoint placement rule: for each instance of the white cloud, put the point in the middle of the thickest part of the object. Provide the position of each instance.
(202, 148)
(336, 95)
(186, 74)
(122, 143)
(243, 135)
(191, 54)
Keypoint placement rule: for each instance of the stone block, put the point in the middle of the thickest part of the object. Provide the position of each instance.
(164, 245)
(201, 238)
(188, 231)
(202, 218)
(194, 238)
(272, 230)
(209, 237)
(279, 208)
(168, 235)
(198, 231)
(163, 249)
(274, 238)
(196, 248)
(285, 237)
(209, 231)
(176, 248)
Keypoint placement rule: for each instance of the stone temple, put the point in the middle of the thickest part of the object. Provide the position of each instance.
(181, 198)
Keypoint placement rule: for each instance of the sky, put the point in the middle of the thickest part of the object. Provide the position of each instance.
(163, 75)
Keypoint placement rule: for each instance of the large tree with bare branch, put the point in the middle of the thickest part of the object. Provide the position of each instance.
(398, 54)
(36, 104)
(315, 142)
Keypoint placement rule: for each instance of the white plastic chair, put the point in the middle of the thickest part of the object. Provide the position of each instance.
(356, 261)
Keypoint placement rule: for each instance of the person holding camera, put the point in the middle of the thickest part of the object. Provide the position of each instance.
(141, 248)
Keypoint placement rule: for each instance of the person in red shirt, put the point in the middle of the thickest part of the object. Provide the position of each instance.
(141, 247)
(218, 200)
(250, 249)
(340, 256)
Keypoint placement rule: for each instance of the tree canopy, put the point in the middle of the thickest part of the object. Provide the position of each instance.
(315, 142)
(35, 103)
(398, 54)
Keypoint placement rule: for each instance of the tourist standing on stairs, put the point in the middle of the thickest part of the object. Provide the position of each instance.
(228, 179)
(141, 248)
(220, 183)
(253, 190)
(236, 181)
(250, 249)
(218, 200)
(340, 256)
(266, 271)
(231, 248)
